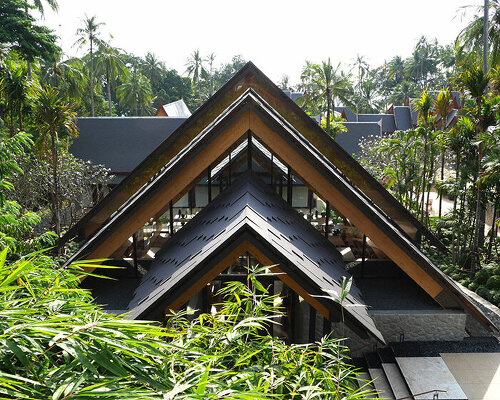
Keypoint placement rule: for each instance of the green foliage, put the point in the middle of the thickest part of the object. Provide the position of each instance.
(19, 32)
(55, 343)
(484, 292)
(493, 282)
(336, 125)
(481, 276)
(17, 225)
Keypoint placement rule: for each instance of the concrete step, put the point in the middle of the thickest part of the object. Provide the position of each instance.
(393, 373)
(377, 373)
(364, 382)
(381, 383)
(424, 374)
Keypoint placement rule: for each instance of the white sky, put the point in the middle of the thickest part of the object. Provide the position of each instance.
(277, 35)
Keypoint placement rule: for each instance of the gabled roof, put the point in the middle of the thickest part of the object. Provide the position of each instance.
(108, 140)
(249, 211)
(250, 113)
(176, 109)
(356, 131)
(250, 77)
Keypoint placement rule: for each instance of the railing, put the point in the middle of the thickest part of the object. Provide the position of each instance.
(435, 391)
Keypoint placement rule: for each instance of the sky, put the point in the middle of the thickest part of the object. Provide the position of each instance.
(277, 35)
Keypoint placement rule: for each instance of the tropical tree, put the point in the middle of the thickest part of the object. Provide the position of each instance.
(17, 88)
(65, 75)
(325, 84)
(110, 65)
(443, 106)
(195, 68)
(471, 39)
(89, 34)
(54, 117)
(152, 68)
(210, 72)
(19, 32)
(136, 94)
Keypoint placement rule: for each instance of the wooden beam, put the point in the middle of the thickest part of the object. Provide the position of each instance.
(243, 248)
(185, 177)
(315, 179)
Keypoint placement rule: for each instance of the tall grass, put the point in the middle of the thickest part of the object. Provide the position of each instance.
(56, 343)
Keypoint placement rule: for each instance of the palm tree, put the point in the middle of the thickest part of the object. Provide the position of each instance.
(53, 115)
(90, 34)
(471, 39)
(325, 84)
(65, 75)
(475, 82)
(110, 65)
(210, 60)
(17, 88)
(152, 68)
(195, 69)
(443, 106)
(423, 106)
(135, 93)
(362, 65)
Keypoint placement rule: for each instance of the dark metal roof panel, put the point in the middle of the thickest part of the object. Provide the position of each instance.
(121, 143)
(356, 131)
(351, 117)
(403, 118)
(249, 203)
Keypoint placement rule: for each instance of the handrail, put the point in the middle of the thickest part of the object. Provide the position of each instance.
(419, 394)
(376, 341)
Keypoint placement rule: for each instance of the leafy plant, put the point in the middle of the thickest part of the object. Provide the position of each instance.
(56, 343)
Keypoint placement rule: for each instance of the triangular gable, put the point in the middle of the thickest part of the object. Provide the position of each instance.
(250, 77)
(249, 212)
(251, 113)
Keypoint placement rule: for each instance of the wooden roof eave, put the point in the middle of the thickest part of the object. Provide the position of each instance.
(248, 77)
(308, 152)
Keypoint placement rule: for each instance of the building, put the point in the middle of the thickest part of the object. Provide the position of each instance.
(250, 179)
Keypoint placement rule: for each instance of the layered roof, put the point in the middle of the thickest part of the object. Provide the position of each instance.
(109, 140)
(250, 216)
(250, 113)
(250, 77)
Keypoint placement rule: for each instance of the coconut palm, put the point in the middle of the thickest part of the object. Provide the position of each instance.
(324, 83)
(152, 68)
(136, 93)
(471, 39)
(195, 69)
(110, 65)
(53, 117)
(210, 72)
(474, 81)
(89, 33)
(65, 75)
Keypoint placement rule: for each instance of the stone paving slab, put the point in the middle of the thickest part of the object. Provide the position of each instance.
(429, 373)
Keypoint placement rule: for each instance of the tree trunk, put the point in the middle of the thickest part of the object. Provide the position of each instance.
(442, 180)
(55, 195)
(108, 81)
(424, 182)
(92, 79)
(328, 106)
(479, 211)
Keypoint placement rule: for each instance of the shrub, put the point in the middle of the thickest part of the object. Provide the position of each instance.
(465, 282)
(493, 282)
(481, 276)
(496, 299)
(484, 292)
(473, 286)
(56, 343)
